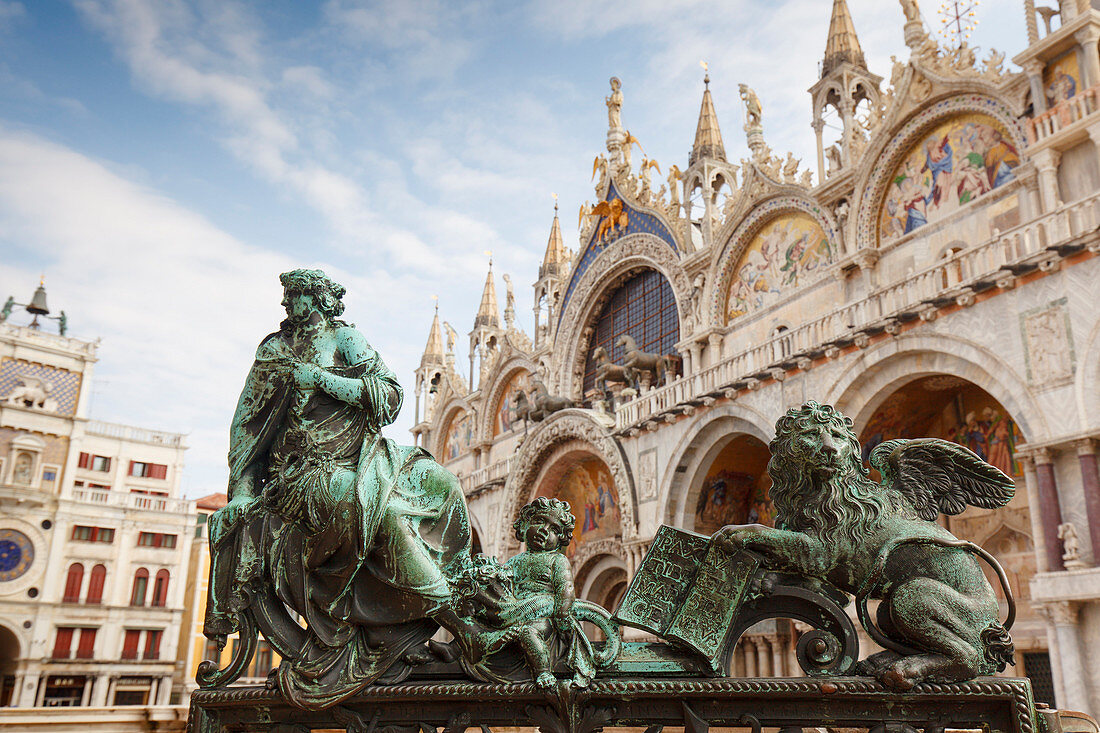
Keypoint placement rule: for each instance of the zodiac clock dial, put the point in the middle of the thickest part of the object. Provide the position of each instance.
(16, 554)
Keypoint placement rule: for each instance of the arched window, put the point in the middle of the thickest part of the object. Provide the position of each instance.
(141, 585)
(95, 584)
(72, 583)
(160, 589)
(644, 307)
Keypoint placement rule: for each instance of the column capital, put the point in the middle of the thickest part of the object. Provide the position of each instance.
(1085, 446)
(1061, 613)
(1087, 35)
(1046, 159)
(1034, 67)
(1042, 456)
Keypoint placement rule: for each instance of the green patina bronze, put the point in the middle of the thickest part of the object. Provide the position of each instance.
(349, 553)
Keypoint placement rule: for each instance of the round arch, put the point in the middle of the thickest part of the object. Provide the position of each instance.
(448, 415)
(570, 429)
(709, 432)
(500, 383)
(618, 261)
(602, 579)
(886, 366)
(721, 272)
(872, 186)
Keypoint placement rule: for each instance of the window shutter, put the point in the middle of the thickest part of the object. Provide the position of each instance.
(158, 470)
(108, 464)
(152, 644)
(86, 648)
(131, 471)
(85, 459)
(160, 589)
(95, 584)
(130, 644)
(63, 643)
(72, 583)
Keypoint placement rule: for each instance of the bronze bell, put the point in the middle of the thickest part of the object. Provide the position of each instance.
(37, 306)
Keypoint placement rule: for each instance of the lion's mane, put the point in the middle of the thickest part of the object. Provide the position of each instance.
(848, 502)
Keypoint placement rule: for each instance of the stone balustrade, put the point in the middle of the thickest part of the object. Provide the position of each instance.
(130, 500)
(129, 432)
(953, 280)
(1063, 114)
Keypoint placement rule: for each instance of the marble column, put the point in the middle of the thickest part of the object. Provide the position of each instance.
(28, 693)
(1088, 38)
(1031, 22)
(762, 657)
(749, 645)
(1063, 614)
(1031, 483)
(819, 125)
(776, 643)
(1049, 508)
(1090, 486)
(99, 692)
(714, 349)
(1046, 161)
(1034, 71)
(86, 697)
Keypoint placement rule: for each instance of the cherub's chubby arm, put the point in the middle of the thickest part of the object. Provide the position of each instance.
(564, 594)
(789, 550)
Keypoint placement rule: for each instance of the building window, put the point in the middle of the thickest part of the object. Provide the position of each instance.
(93, 534)
(156, 539)
(141, 585)
(94, 463)
(212, 653)
(86, 648)
(132, 690)
(148, 470)
(130, 643)
(100, 487)
(160, 589)
(63, 692)
(152, 643)
(262, 664)
(73, 582)
(95, 585)
(643, 307)
(63, 642)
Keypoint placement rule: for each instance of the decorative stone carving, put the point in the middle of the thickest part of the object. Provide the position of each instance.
(596, 548)
(32, 392)
(561, 428)
(1049, 353)
(1071, 546)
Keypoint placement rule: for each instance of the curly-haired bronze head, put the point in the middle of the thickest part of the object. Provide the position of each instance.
(326, 292)
(552, 511)
(819, 482)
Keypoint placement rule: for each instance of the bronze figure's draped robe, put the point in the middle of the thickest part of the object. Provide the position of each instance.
(358, 535)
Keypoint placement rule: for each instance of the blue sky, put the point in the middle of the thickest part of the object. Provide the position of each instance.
(162, 161)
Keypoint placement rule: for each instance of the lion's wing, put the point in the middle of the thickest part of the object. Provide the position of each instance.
(937, 476)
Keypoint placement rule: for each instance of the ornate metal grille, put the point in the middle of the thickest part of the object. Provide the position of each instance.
(644, 307)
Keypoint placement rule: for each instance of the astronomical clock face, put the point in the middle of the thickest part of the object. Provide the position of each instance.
(16, 554)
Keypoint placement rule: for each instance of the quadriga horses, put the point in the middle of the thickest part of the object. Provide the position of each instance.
(663, 367)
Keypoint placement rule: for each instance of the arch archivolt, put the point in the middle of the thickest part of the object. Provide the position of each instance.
(885, 367)
(593, 558)
(617, 263)
(563, 432)
(448, 413)
(872, 185)
(710, 432)
(721, 273)
(597, 571)
(501, 379)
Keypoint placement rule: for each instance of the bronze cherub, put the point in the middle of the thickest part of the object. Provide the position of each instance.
(938, 616)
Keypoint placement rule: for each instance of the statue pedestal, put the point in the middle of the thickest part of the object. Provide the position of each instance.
(992, 703)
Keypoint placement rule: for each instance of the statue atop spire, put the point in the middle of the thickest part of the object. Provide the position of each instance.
(615, 105)
(754, 116)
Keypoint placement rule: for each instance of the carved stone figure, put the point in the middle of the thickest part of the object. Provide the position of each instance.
(790, 168)
(615, 105)
(21, 472)
(360, 537)
(911, 10)
(1071, 546)
(938, 615)
(754, 111)
(832, 155)
(32, 392)
(509, 302)
(674, 176)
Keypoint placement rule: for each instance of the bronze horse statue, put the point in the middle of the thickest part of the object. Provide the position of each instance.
(539, 407)
(663, 367)
(607, 371)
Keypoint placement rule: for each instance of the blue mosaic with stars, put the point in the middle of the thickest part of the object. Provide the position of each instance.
(64, 385)
(640, 222)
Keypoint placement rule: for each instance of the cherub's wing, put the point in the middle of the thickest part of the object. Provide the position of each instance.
(937, 476)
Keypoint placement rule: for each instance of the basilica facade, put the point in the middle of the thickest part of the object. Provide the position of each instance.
(935, 273)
